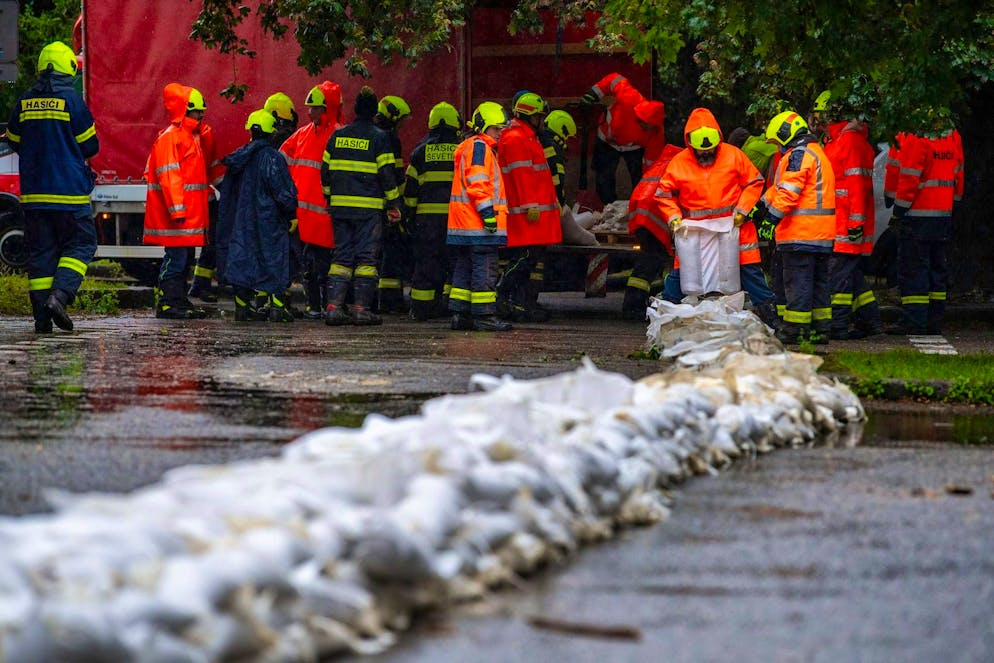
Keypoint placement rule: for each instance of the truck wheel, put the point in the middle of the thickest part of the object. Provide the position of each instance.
(145, 271)
(13, 248)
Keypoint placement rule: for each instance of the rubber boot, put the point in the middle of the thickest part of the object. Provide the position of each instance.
(767, 313)
(201, 289)
(335, 313)
(42, 317)
(315, 296)
(365, 295)
(245, 310)
(461, 321)
(490, 323)
(422, 309)
(278, 310)
(173, 304)
(534, 312)
(56, 304)
(635, 304)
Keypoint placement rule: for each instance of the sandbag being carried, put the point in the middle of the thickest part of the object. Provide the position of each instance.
(573, 233)
(709, 260)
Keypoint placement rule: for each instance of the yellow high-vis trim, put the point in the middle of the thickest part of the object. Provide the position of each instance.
(637, 283)
(351, 166)
(205, 272)
(340, 270)
(863, 299)
(822, 313)
(422, 295)
(484, 297)
(460, 295)
(842, 299)
(26, 116)
(367, 271)
(436, 176)
(446, 289)
(86, 135)
(797, 317)
(937, 296)
(362, 202)
(385, 159)
(390, 284)
(781, 310)
(77, 266)
(915, 299)
(411, 202)
(432, 208)
(54, 198)
(41, 283)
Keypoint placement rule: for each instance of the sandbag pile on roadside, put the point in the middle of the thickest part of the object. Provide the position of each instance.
(332, 546)
(613, 218)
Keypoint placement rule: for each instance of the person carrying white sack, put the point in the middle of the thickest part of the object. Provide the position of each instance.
(706, 195)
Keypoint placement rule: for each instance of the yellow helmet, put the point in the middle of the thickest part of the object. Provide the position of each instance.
(561, 123)
(393, 108)
(315, 97)
(196, 101)
(489, 114)
(704, 139)
(529, 103)
(262, 120)
(280, 105)
(784, 127)
(444, 112)
(59, 56)
(821, 102)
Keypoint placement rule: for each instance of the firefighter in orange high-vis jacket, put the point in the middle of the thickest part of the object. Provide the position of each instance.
(799, 209)
(477, 224)
(647, 223)
(533, 210)
(203, 271)
(716, 184)
(176, 213)
(631, 128)
(929, 185)
(849, 151)
(303, 151)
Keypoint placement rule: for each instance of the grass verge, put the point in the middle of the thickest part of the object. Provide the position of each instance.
(96, 297)
(946, 378)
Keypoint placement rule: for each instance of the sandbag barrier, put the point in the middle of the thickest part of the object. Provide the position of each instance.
(332, 546)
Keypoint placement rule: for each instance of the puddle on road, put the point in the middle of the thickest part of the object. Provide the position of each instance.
(897, 428)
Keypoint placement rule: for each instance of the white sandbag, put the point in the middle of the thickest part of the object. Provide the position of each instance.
(883, 213)
(585, 219)
(573, 233)
(709, 261)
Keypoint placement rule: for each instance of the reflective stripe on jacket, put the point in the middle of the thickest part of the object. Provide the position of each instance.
(177, 179)
(428, 186)
(803, 198)
(304, 151)
(851, 156)
(619, 126)
(477, 192)
(643, 208)
(931, 175)
(529, 184)
(358, 171)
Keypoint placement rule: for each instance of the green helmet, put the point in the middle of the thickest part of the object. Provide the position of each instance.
(281, 105)
(489, 114)
(529, 103)
(59, 56)
(446, 113)
(393, 108)
(196, 101)
(561, 123)
(263, 120)
(785, 127)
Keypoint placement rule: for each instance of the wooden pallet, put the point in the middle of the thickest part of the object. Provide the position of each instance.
(614, 237)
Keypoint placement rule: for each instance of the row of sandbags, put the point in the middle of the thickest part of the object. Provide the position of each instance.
(335, 544)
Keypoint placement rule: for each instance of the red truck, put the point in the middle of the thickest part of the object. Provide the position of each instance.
(134, 48)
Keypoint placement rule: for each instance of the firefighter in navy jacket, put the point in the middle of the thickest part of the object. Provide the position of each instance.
(359, 180)
(52, 130)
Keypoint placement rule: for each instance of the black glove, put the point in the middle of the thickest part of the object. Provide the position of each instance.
(898, 212)
(589, 98)
(855, 233)
(766, 230)
(490, 224)
(888, 201)
(759, 212)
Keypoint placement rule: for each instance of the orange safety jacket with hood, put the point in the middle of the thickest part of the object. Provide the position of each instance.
(931, 177)
(851, 155)
(618, 125)
(802, 198)
(477, 192)
(643, 208)
(304, 151)
(528, 182)
(177, 178)
(892, 167)
(730, 185)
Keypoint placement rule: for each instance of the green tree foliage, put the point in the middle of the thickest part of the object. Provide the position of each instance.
(905, 65)
(38, 24)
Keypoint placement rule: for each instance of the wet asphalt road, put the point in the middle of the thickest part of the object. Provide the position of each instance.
(804, 555)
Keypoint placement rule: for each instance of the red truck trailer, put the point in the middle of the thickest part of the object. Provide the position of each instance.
(134, 48)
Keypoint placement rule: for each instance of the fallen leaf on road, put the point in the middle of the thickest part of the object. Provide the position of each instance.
(587, 629)
(953, 489)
